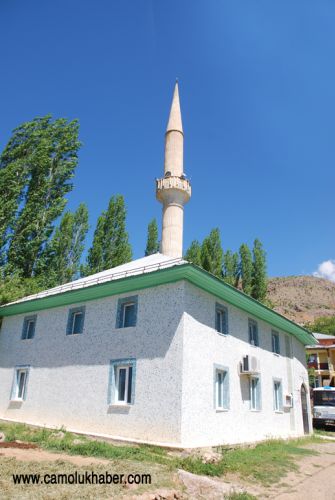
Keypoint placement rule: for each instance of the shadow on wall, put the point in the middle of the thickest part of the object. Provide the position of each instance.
(52, 348)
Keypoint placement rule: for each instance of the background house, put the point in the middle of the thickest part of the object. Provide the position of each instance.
(321, 360)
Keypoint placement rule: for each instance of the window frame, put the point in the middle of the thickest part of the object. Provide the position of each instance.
(14, 395)
(275, 335)
(225, 395)
(125, 306)
(127, 397)
(73, 312)
(116, 366)
(28, 320)
(253, 324)
(122, 305)
(278, 404)
(224, 324)
(256, 401)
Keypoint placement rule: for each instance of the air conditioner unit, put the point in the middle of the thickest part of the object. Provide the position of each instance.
(288, 401)
(249, 365)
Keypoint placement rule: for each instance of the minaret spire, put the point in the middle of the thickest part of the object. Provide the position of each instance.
(174, 190)
(175, 122)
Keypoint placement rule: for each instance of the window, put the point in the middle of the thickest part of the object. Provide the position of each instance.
(221, 389)
(275, 342)
(75, 322)
(28, 330)
(221, 319)
(277, 395)
(19, 389)
(126, 312)
(122, 382)
(255, 393)
(253, 332)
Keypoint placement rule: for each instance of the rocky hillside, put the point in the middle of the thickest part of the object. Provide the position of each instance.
(302, 298)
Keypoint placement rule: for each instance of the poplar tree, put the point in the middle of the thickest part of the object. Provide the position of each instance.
(152, 238)
(259, 279)
(230, 270)
(66, 247)
(246, 268)
(95, 258)
(13, 177)
(47, 151)
(193, 253)
(212, 254)
(110, 247)
(117, 249)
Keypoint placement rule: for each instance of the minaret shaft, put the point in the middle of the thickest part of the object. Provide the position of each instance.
(174, 152)
(174, 189)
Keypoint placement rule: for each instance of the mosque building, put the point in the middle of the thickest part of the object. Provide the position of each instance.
(156, 350)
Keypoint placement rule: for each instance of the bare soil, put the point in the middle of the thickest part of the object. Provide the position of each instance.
(302, 298)
(315, 478)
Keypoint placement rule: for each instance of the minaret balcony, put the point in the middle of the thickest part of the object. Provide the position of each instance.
(175, 183)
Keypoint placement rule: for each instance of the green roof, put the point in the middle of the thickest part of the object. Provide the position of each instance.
(189, 272)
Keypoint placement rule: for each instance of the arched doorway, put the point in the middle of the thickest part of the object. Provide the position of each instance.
(304, 408)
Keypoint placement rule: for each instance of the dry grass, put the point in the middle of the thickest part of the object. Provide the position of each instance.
(161, 478)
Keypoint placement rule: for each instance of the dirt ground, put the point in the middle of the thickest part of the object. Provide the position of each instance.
(314, 480)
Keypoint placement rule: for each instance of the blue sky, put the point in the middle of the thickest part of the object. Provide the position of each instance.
(257, 87)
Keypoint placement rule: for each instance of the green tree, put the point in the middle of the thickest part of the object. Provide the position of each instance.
(246, 268)
(13, 177)
(64, 252)
(212, 254)
(193, 253)
(259, 278)
(152, 238)
(15, 287)
(95, 258)
(110, 246)
(48, 150)
(230, 270)
(323, 324)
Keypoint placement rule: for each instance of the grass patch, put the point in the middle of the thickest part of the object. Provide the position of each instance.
(240, 496)
(329, 431)
(266, 463)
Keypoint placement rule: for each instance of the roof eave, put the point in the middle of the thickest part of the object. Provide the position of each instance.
(189, 272)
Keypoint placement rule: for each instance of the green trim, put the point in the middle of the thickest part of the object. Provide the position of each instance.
(194, 274)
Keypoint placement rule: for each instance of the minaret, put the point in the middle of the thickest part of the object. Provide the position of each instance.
(173, 190)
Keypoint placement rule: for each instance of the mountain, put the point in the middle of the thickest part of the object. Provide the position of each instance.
(302, 298)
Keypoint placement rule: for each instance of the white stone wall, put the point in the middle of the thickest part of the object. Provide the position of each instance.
(202, 425)
(69, 374)
(176, 346)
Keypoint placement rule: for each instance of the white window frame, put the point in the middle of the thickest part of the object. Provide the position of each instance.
(275, 335)
(223, 321)
(124, 307)
(255, 394)
(255, 333)
(221, 389)
(277, 396)
(29, 322)
(117, 379)
(276, 390)
(74, 315)
(16, 385)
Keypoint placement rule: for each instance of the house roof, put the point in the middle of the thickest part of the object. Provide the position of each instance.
(133, 268)
(148, 272)
(321, 336)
